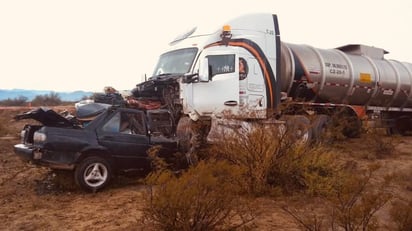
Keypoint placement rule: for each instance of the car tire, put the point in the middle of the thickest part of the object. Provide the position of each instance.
(93, 173)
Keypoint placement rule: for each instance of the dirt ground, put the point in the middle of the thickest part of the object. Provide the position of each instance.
(30, 199)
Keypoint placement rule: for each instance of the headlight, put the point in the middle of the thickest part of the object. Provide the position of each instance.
(39, 137)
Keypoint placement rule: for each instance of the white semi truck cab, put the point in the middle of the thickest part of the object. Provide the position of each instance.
(231, 70)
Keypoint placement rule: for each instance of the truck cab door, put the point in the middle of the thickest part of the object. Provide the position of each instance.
(219, 92)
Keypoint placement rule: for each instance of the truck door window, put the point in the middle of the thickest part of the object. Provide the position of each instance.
(221, 64)
(243, 69)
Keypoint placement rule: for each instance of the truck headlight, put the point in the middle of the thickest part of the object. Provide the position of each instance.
(39, 137)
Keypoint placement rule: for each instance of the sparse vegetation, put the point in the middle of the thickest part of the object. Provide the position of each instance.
(206, 197)
(355, 201)
(18, 101)
(275, 161)
(265, 162)
(335, 190)
(52, 99)
(352, 204)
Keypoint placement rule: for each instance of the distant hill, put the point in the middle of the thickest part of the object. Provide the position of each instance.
(31, 94)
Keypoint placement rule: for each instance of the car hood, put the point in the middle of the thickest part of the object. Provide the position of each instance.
(47, 117)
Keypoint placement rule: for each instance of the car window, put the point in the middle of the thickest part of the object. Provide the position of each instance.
(113, 125)
(126, 123)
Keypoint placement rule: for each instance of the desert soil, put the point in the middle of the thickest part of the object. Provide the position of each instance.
(32, 199)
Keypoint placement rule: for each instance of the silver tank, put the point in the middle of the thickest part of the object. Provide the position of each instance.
(352, 74)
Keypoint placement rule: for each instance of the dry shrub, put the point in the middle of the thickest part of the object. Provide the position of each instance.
(378, 144)
(303, 168)
(307, 219)
(352, 204)
(354, 200)
(206, 197)
(255, 151)
(401, 214)
(273, 160)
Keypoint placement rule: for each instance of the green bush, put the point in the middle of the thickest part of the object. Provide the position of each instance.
(206, 197)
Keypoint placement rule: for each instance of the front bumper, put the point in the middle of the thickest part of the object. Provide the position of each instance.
(54, 160)
(25, 152)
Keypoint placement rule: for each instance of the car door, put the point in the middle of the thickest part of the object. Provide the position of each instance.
(124, 134)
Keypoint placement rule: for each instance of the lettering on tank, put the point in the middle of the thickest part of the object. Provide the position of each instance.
(336, 68)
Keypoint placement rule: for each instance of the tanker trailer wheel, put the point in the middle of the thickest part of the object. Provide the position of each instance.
(403, 124)
(352, 127)
(93, 173)
(298, 130)
(321, 129)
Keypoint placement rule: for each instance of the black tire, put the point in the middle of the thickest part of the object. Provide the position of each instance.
(320, 129)
(184, 134)
(352, 128)
(402, 125)
(93, 173)
(298, 129)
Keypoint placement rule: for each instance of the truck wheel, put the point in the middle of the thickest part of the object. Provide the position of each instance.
(320, 129)
(184, 134)
(402, 125)
(298, 129)
(93, 173)
(352, 127)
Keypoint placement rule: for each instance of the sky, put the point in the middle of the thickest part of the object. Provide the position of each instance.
(89, 44)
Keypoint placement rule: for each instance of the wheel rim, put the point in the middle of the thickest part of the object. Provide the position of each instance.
(302, 136)
(95, 175)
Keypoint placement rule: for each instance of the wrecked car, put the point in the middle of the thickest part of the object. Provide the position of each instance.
(116, 141)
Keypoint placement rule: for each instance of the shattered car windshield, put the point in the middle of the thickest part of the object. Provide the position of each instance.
(175, 62)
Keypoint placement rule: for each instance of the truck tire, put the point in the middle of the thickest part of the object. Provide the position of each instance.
(320, 129)
(184, 134)
(402, 126)
(352, 128)
(298, 129)
(93, 173)
(192, 137)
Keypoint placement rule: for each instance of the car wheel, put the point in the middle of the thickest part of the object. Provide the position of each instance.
(93, 173)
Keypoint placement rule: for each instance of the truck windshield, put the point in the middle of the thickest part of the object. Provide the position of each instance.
(175, 62)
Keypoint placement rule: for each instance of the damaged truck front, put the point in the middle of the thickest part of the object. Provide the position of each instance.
(117, 140)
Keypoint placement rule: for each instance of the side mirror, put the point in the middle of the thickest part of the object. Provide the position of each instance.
(204, 74)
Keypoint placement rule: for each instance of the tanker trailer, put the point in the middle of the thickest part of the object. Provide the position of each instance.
(356, 77)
